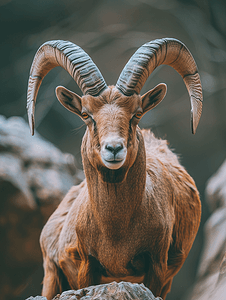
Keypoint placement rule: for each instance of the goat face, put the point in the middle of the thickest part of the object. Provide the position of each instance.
(111, 119)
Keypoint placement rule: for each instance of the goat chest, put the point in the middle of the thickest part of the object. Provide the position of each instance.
(127, 253)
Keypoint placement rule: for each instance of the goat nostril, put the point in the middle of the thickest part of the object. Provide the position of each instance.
(114, 149)
(109, 148)
(118, 148)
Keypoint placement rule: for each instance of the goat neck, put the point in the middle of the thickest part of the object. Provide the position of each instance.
(113, 201)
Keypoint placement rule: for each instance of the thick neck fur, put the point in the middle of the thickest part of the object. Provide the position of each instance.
(113, 204)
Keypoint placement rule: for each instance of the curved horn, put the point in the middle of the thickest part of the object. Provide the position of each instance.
(170, 52)
(74, 60)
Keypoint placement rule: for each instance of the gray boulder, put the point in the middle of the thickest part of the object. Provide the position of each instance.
(34, 177)
(211, 283)
(111, 291)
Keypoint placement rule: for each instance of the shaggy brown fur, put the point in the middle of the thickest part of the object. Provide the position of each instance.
(135, 223)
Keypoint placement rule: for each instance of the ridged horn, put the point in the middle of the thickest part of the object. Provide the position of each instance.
(74, 60)
(167, 51)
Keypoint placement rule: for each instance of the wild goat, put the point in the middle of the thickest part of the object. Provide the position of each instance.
(135, 216)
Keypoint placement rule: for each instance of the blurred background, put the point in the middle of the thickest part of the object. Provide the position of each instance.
(110, 32)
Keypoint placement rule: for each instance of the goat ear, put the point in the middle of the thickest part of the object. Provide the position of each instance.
(69, 99)
(153, 97)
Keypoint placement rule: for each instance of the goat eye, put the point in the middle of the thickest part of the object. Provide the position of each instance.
(138, 115)
(85, 116)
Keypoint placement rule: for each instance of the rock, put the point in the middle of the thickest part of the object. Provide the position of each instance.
(111, 291)
(37, 298)
(211, 283)
(216, 189)
(222, 274)
(34, 177)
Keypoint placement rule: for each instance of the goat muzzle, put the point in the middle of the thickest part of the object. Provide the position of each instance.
(113, 152)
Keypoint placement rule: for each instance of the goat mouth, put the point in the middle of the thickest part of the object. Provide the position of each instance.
(114, 161)
(113, 164)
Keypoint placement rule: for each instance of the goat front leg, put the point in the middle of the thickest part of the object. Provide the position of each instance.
(51, 281)
(176, 259)
(70, 263)
(166, 289)
(81, 270)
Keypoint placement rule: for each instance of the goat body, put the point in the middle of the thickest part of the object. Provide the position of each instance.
(136, 214)
(138, 229)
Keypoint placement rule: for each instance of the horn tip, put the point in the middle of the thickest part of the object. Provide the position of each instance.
(31, 118)
(193, 128)
(31, 124)
(196, 112)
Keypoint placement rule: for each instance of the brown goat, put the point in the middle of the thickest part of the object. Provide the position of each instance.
(135, 216)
